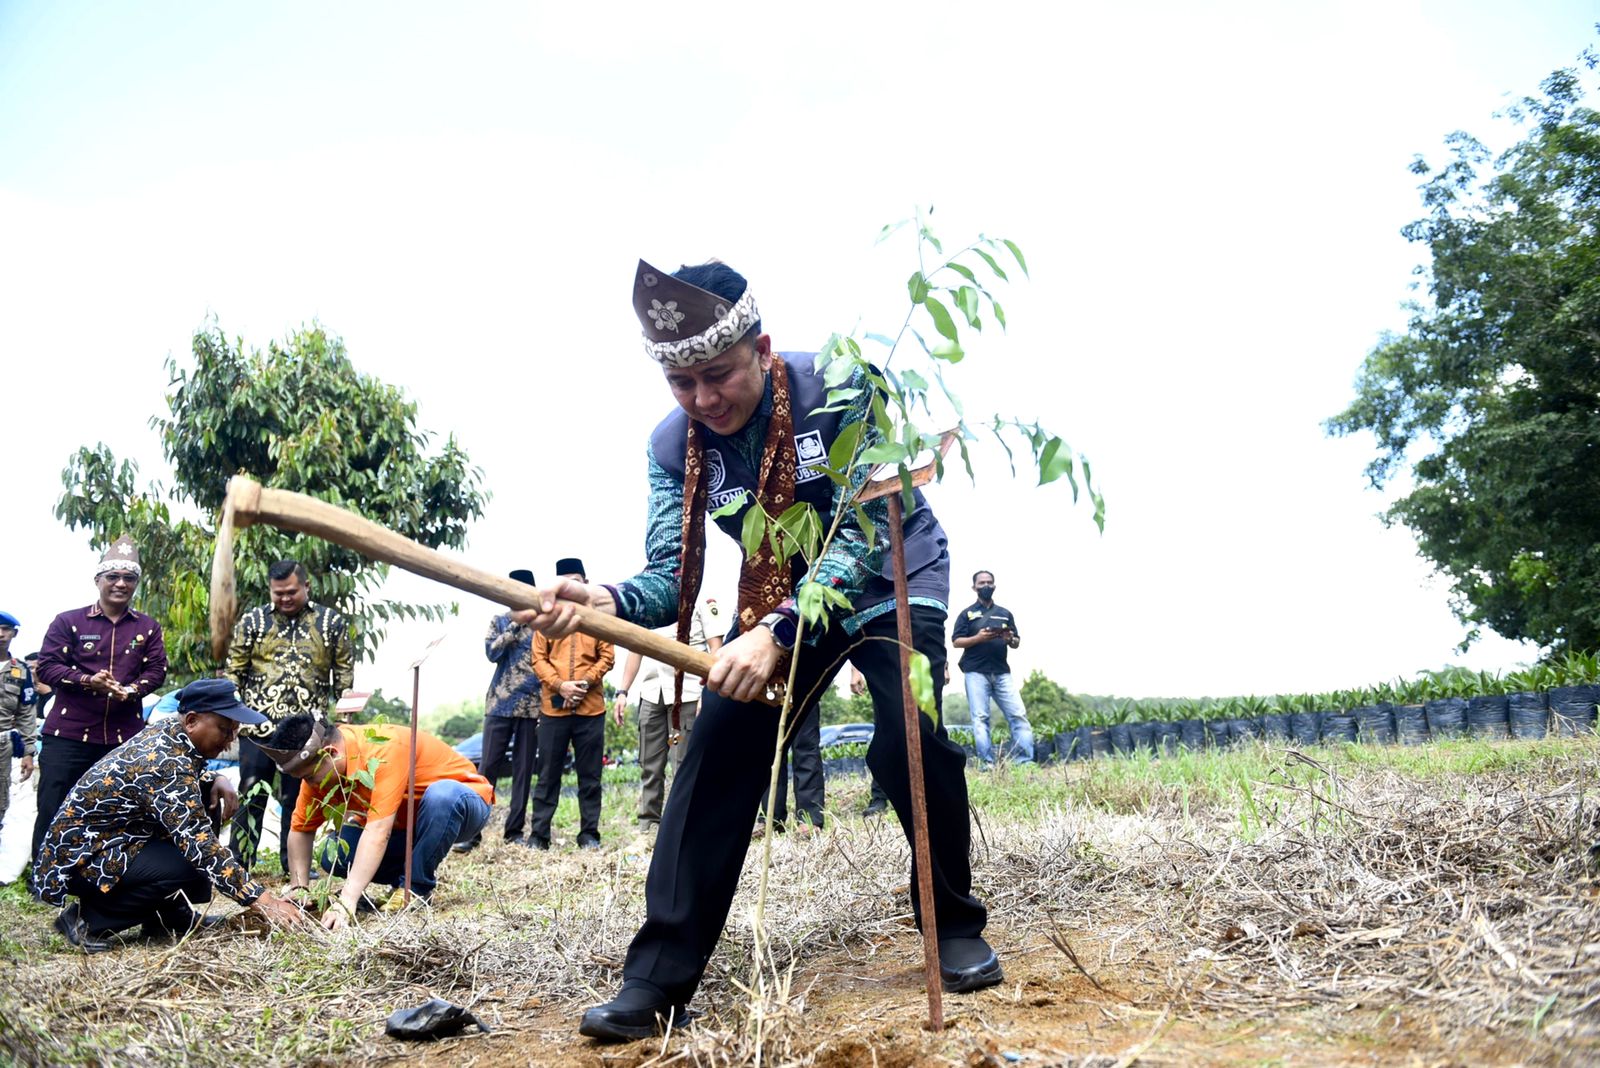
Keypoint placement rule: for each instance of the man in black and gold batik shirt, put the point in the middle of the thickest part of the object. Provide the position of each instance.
(134, 842)
(288, 658)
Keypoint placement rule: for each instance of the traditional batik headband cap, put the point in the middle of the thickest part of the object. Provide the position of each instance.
(684, 324)
(297, 762)
(123, 555)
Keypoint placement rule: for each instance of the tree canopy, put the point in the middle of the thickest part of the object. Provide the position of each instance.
(297, 416)
(1491, 397)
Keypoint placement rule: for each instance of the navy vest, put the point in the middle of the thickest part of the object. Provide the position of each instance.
(727, 475)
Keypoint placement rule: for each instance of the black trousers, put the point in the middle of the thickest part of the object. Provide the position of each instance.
(805, 752)
(157, 889)
(522, 736)
(254, 767)
(705, 829)
(587, 737)
(62, 762)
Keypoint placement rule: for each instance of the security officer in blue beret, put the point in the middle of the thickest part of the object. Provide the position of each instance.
(18, 726)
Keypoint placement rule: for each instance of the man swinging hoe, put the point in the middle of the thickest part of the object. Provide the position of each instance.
(747, 430)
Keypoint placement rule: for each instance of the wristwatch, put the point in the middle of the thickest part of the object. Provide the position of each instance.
(782, 627)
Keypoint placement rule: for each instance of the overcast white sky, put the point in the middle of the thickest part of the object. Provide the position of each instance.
(1210, 196)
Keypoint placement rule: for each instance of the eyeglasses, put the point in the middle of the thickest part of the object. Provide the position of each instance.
(118, 577)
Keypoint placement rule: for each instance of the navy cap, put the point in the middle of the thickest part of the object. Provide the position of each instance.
(522, 574)
(8, 620)
(219, 696)
(570, 565)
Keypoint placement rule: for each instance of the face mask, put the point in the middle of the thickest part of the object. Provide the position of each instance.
(986, 592)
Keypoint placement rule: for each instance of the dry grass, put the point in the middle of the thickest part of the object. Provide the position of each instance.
(1349, 908)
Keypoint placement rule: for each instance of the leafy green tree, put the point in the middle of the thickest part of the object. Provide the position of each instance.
(459, 726)
(1492, 395)
(382, 708)
(297, 416)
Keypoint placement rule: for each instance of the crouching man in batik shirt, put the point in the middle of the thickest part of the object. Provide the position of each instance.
(134, 842)
(752, 432)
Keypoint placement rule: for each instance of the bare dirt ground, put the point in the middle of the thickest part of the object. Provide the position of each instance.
(1262, 908)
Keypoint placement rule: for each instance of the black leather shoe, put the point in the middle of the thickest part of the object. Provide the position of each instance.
(541, 844)
(876, 808)
(633, 1014)
(469, 845)
(588, 841)
(71, 925)
(968, 964)
(176, 927)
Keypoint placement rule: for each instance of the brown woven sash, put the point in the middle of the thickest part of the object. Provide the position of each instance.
(764, 580)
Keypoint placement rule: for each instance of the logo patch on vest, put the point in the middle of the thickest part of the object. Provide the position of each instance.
(810, 454)
(716, 475)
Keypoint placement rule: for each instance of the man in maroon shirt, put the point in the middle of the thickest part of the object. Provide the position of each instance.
(101, 661)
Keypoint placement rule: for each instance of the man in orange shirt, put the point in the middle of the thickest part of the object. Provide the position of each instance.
(452, 804)
(570, 671)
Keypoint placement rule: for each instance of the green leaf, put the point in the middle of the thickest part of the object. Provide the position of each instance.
(1055, 460)
(802, 524)
(732, 506)
(868, 528)
(843, 450)
(948, 351)
(889, 230)
(810, 602)
(884, 452)
(999, 312)
(927, 235)
(914, 381)
(941, 317)
(835, 396)
(835, 597)
(917, 286)
(753, 530)
(964, 271)
(1017, 252)
(967, 301)
(993, 266)
(922, 682)
(886, 342)
(838, 371)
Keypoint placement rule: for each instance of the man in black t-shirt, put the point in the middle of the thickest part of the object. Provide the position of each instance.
(983, 633)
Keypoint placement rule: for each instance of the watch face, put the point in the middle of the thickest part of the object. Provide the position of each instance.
(783, 630)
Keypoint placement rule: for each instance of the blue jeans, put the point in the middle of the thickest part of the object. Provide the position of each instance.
(980, 688)
(449, 812)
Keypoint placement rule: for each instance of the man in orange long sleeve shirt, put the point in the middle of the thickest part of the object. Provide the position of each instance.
(570, 671)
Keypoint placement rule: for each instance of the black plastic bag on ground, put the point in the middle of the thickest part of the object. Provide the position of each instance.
(1277, 728)
(1410, 725)
(1099, 741)
(1144, 736)
(1488, 716)
(434, 1018)
(1248, 730)
(1167, 738)
(1572, 709)
(1447, 717)
(1219, 733)
(1044, 749)
(1121, 739)
(1305, 728)
(1375, 725)
(1338, 727)
(1192, 734)
(1067, 746)
(1528, 714)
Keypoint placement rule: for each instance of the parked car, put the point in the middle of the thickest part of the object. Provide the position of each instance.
(845, 733)
(472, 749)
